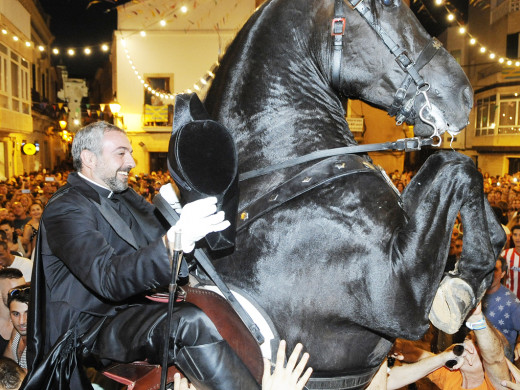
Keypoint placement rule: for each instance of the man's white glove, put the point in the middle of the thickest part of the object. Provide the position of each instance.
(168, 194)
(198, 219)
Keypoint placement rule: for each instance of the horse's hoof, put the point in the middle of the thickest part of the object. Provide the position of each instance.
(453, 301)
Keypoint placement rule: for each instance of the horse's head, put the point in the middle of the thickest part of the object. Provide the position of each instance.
(385, 48)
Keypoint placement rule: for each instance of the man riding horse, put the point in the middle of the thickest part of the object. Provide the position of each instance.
(101, 247)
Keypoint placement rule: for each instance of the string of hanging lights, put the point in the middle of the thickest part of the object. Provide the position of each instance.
(472, 40)
(198, 86)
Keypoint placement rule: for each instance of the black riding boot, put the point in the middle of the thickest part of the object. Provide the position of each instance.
(215, 367)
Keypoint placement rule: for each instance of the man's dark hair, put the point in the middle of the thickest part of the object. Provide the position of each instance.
(10, 273)
(6, 222)
(4, 244)
(514, 228)
(11, 374)
(19, 294)
(503, 261)
(504, 267)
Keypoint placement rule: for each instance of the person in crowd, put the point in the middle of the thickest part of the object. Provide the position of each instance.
(30, 230)
(14, 243)
(11, 374)
(7, 259)
(103, 249)
(20, 217)
(48, 190)
(512, 256)
(18, 304)
(9, 278)
(4, 213)
(491, 198)
(26, 200)
(502, 309)
(477, 365)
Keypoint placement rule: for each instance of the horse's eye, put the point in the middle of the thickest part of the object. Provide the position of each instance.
(387, 3)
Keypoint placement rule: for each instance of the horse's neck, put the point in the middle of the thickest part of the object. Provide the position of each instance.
(274, 98)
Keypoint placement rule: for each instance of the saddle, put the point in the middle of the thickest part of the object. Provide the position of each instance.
(146, 376)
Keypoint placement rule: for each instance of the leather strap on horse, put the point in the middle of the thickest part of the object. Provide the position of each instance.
(172, 217)
(337, 30)
(425, 56)
(345, 382)
(314, 176)
(405, 144)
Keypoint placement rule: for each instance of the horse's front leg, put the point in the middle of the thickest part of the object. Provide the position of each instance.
(463, 288)
(449, 182)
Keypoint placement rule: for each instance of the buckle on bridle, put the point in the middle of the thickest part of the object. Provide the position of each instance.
(353, 3)
(411, 144)
(337, 27)
(403, 60)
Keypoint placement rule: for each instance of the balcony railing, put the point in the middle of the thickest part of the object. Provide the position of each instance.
(158, 115)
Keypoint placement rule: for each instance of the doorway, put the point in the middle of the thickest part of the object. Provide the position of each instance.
(158, 161)
(514, 165)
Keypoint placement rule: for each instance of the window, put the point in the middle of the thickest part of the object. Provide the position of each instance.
(486, 108)
(158, 110)
(512, 45)
(15, 87)
(508, 116)
(498, 115)
(4, 60)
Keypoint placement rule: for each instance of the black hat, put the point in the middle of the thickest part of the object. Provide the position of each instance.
(203, 161)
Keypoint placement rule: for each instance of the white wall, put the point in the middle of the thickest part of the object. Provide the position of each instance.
(187, 56)
(17, 15)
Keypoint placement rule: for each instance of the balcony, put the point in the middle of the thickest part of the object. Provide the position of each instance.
(157, 118)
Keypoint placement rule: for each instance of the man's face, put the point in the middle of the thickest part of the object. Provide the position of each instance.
(6, 285)
(48, 189)
(456, 247)
(4, 213)
(18, 209)
(454, 234)
(116, 161)
(18, 312)
(5, 257)
(8, 230)
(515, 234)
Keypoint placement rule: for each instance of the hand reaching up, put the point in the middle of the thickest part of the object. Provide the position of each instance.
(289, 377)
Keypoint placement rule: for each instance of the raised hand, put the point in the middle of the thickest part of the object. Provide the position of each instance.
(289, 377)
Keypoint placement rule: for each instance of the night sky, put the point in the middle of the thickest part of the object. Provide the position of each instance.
(76, 24)
(81, 23)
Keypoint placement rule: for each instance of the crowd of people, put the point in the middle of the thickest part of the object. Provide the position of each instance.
(482, 359)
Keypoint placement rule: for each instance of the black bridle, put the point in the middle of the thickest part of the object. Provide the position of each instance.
(400, 108)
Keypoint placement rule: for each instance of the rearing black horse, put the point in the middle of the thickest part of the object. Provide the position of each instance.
(350, 264)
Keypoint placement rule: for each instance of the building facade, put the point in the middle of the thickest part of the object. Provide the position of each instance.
(159, 51)
(29, 135)
(491, 61)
